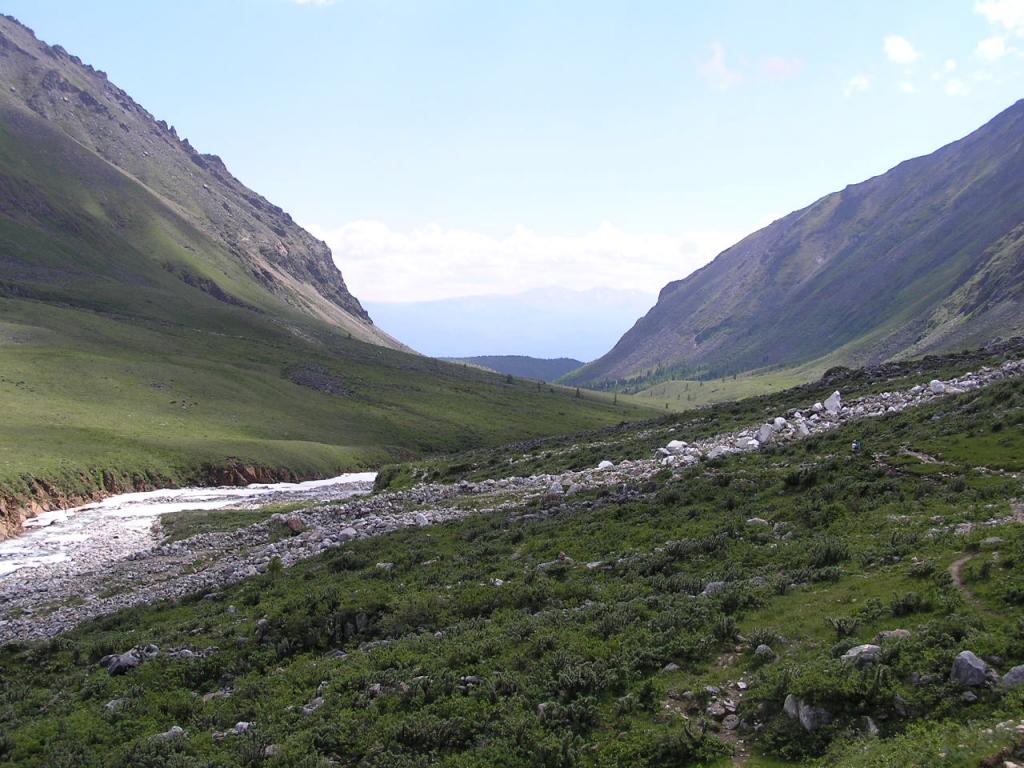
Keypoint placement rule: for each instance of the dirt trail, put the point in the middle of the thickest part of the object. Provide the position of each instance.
(955, 571)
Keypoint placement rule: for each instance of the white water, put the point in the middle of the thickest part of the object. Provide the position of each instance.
(121, 524)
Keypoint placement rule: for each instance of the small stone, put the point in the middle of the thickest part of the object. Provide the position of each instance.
(113, 705)
(731, 722)
(385, 566)
(670, 667)
(764, 652)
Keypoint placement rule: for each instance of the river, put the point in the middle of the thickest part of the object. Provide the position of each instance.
(123, 524)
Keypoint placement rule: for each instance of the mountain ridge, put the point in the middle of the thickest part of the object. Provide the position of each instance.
(50, 88)
(879, 269)
(545, 369)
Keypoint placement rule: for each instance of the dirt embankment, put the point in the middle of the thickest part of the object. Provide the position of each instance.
(37, 495)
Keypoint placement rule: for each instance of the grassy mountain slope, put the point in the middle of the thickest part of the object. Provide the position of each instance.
(159, 323)
(73, 133)
(522, 365)
(925, 257)
(481, 647)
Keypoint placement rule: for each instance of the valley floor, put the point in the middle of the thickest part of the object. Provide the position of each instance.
(705, 605)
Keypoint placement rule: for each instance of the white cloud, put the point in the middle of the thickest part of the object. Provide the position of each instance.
(900, 50)
(781, 68)
(381, 264)
(856, 84)
(1009, 14)
(950, 65)
(719, 74)
(992, 48)
(907, 87)
(955, 87)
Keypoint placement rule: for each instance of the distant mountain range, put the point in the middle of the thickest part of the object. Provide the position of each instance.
(526, 367)
(544, 323)
(924, 258)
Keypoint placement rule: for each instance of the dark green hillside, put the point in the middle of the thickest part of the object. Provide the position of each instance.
(544, 369)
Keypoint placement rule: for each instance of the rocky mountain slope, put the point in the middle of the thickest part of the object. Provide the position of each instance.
(928, 256)
(67, 128)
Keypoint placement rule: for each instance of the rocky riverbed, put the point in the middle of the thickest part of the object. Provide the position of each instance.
(111, 574)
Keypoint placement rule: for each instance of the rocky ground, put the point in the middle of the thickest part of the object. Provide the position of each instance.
(57, 597)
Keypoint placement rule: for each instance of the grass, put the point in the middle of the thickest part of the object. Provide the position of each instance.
(165, 405)
(685, 394)
(564, 665)
(191, 522)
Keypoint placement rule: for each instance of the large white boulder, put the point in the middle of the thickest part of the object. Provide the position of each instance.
(834, 403)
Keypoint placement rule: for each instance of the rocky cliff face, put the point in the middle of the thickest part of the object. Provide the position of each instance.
(46, 82)
(926, 257)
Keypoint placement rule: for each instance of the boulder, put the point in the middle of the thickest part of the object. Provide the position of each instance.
(765, 433)
(892, 634)
(968, 669)
(791, 706)
(713, 588)
(936, 386)
(556, 489)
(758, 521)
(861, 655)
(313, 705)
(813, 718)
(295, 524)
(675, 446)
(834, 403)
(779, 424)
(764, 652)
(120, 663)
(606, 465)
(1014, 677)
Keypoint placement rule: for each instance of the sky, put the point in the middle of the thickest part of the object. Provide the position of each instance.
(449, 148)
